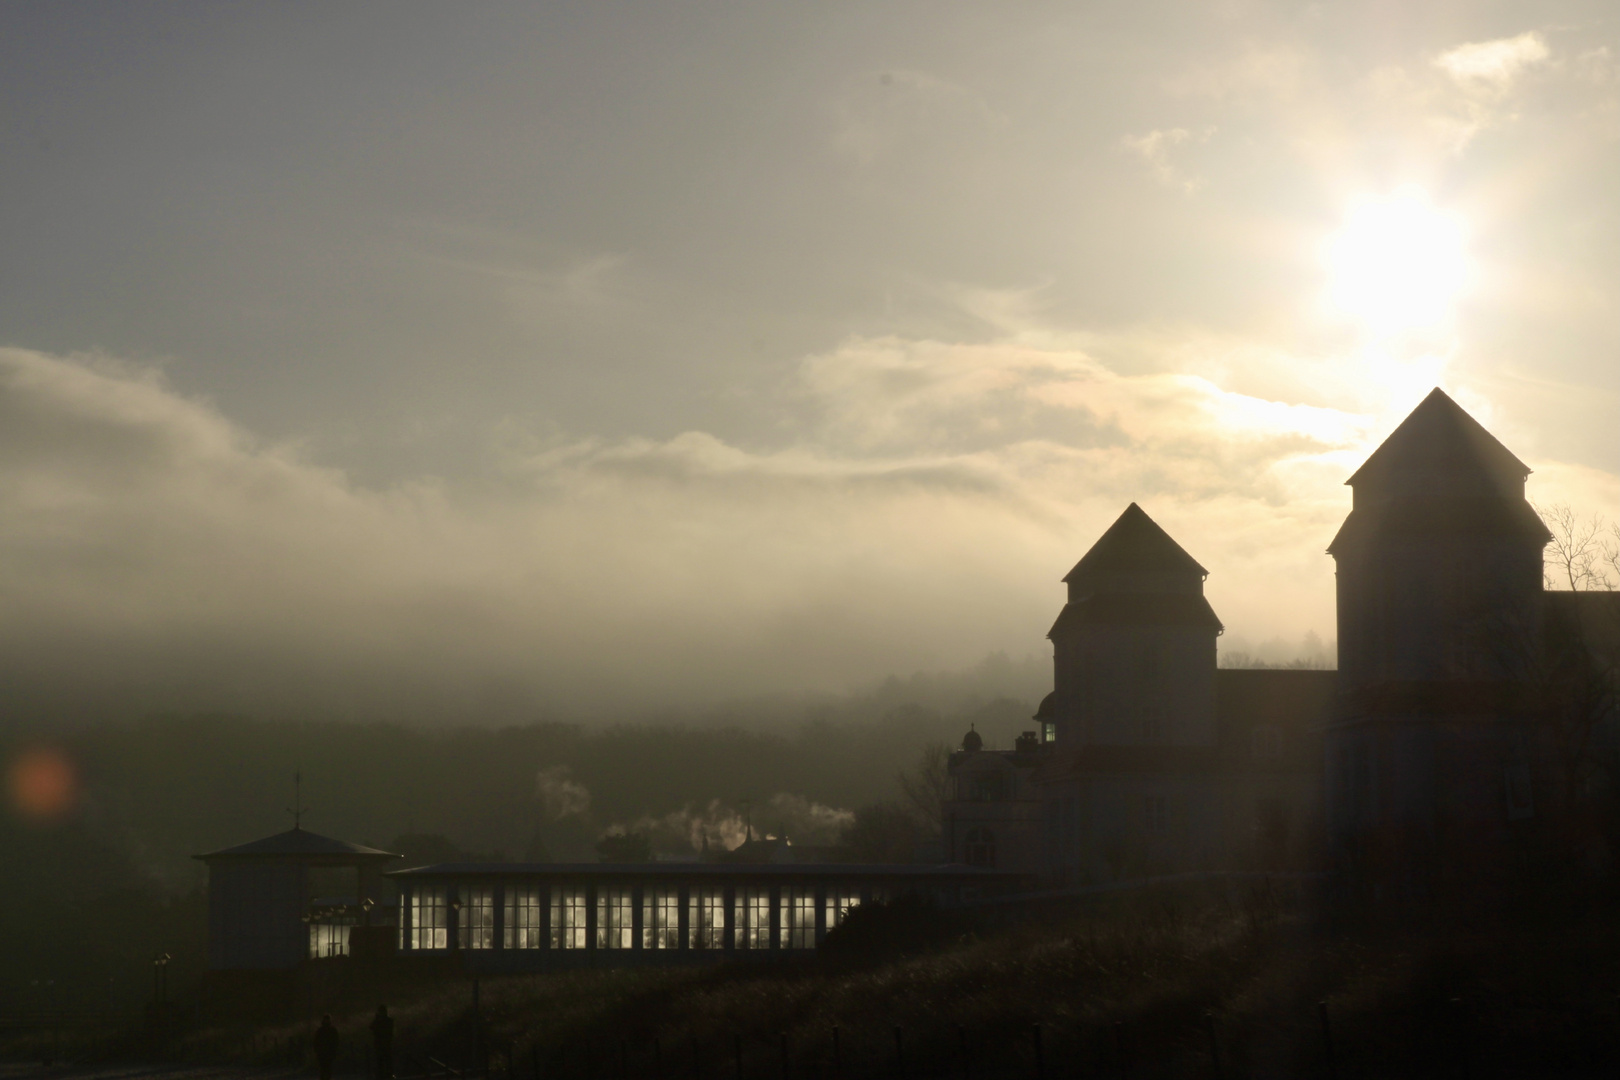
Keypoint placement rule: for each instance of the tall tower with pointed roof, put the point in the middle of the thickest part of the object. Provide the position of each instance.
(1134, 647)
(1439, 592)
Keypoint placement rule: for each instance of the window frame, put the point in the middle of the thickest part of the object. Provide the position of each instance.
(524, 924)
(798, 917)
(661, 917)
(570, 915)
(751, 917)
(475, 918)
(615, 917)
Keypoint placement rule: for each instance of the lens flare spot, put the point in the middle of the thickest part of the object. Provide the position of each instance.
(43, 784)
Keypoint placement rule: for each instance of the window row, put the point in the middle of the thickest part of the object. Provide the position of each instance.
(525, 923)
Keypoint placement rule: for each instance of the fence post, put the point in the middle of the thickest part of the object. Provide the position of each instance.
(1214, 1045)
(967, 1068)
(736, 1054)
(1040, 1054)
(899, 1054)
(697, 1069)
(784, 1056)
(838, 1055)
(1327, 1040)
(534, 1055)
(1119, 1046)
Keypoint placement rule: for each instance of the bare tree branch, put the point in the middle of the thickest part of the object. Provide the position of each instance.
(922, 787)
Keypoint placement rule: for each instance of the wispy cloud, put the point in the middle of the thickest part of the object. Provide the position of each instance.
(155, 554)
(1493, 66)
(1157, 147)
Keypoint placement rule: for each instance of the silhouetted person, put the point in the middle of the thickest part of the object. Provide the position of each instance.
(326, 1046)
(382, 1041)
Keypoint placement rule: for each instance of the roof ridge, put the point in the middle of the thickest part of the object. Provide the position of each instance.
(1439, 431)
(1135, 542)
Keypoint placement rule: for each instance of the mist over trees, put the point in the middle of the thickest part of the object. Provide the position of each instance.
(111, 880)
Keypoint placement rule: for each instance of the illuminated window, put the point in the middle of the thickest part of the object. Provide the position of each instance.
(429, 918)
(751, 918)
(798, 917)
(568, 916)
(839, 901)
(475, 927)
(661, 918)
(327, 939)
(979, 847)
(522, 930)
(706, 919)
(615, 918)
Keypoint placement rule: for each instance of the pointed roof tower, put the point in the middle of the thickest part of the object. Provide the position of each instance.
(1135, 574)
(1443, 450)
(1134, 543)
(1439, 472)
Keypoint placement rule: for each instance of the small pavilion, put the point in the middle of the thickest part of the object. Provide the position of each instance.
(296, 896)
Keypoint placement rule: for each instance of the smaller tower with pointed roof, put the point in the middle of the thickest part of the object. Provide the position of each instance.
(1134, 648)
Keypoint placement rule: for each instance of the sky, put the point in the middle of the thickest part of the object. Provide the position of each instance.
(450, 362)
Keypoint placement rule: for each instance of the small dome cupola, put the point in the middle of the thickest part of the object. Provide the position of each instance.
(972, 742)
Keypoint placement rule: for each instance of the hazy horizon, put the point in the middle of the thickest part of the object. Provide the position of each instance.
(428, 362)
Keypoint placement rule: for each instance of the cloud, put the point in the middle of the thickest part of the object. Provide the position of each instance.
(1275, 70)
(928, 494)
(905, 109)
(1493, 66)
(1155, 148)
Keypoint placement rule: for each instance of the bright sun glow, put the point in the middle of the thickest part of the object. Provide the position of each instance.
(1398, 264)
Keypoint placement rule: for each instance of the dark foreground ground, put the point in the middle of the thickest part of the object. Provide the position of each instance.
(1250, 982)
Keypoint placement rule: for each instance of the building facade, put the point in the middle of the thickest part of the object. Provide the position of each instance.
(546, 916)
(1437, 754)
(1147, 758)
(276, 902)
(1466, 695)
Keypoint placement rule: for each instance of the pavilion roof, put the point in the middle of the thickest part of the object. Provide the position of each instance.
(299, 843)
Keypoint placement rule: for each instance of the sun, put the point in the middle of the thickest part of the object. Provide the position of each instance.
(1398, 264)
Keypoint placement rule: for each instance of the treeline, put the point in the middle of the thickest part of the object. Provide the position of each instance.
(170, 787)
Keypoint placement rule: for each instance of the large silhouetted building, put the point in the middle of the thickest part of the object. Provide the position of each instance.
(1437, 749)
(1147, 759)
(1467, 702)
(1462, 690)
